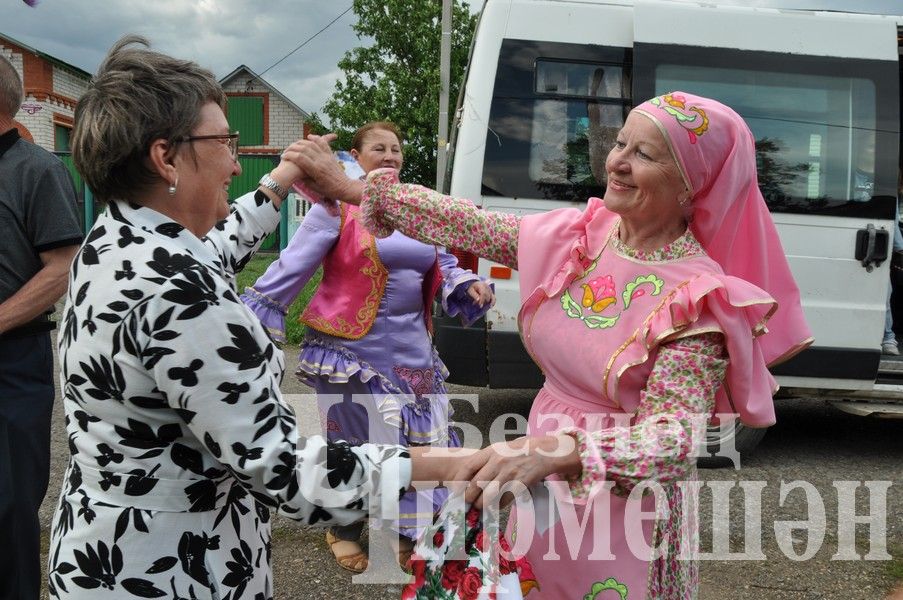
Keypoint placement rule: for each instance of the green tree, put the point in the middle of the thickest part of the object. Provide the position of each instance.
(397, 77)
(777, 177)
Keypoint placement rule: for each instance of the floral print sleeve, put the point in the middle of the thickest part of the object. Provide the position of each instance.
(429, 216)
(682, 384)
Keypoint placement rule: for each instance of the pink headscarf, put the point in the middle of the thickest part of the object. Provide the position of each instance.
(715, 151)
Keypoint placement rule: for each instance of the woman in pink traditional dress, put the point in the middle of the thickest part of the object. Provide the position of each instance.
(643, 310)
(367, 351)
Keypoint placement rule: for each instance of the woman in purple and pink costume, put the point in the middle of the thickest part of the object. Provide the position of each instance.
(368, 351)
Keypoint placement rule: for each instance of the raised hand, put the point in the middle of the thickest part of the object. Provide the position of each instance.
(287, 171)
(320, 170)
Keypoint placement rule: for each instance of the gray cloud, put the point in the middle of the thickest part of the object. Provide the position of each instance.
(222, 34)
(219, 34)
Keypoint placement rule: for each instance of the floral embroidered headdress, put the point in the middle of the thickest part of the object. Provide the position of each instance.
(715, 151)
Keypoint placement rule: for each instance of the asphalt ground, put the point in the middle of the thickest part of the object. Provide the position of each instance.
(813, 442)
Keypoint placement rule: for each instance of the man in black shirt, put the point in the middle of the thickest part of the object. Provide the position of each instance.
(40, 233)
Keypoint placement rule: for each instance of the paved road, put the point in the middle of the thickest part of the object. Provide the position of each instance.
(812, 442)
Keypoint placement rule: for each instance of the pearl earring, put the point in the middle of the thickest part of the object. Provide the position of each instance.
(172, 187)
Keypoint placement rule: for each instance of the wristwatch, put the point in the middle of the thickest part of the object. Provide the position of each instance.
(273, 185)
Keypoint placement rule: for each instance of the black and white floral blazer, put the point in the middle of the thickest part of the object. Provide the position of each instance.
(180, 441)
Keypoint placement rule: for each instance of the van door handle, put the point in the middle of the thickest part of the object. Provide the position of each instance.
(871, 246)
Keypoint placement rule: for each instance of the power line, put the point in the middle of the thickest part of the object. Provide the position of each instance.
(308, 40)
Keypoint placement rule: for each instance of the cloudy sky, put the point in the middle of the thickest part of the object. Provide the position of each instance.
(222, 34)
(219, 34)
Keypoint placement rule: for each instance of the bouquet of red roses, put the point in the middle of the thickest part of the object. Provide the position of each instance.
(464, 556)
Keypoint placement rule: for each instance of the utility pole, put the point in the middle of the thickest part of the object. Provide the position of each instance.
(444, 77)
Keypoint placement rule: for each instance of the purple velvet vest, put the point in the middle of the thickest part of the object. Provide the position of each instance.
(354, 281)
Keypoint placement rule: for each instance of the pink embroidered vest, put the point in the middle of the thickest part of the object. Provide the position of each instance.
(354, 281)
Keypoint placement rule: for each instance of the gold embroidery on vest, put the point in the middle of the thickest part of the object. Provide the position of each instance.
(378, 274)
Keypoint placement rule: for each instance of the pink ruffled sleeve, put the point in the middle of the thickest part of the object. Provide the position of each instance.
(431, 217)
(658, 446)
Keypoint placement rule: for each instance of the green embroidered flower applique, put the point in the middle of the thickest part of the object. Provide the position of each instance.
(633, 290)
(599, 295)
(610, 584)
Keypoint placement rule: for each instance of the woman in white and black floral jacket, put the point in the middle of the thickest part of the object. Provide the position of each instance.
(180, 441)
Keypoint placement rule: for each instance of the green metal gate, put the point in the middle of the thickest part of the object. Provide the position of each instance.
(253, 166)
(88, 209)
(245, 115)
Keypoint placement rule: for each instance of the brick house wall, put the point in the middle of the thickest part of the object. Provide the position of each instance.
(51, 90)
(286, 125)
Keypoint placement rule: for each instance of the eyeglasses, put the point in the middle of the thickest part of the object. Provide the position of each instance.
(231, 140)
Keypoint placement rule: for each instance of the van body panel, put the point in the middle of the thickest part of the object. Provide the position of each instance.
(766, 29)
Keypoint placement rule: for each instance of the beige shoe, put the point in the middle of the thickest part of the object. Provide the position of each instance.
(356, 562)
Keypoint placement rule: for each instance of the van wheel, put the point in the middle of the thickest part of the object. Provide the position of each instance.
(743, 438)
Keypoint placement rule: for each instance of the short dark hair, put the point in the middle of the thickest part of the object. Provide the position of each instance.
(12, 94)
(137, 96)
(357, 142)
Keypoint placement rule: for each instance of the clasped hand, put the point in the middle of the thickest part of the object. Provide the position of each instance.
(317, 169)
(524, 461)
(498, 468)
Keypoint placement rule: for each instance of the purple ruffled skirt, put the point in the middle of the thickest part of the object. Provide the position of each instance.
(359, 404)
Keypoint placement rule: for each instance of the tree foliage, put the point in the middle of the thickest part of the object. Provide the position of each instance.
(397, 77)
(777, 177)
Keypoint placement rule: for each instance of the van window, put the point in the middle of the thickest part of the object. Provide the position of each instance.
(556, 109)
(819, 125)
(579, 79)
(815, 135)
(570, 137)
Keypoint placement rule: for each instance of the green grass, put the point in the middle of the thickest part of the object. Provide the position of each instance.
(256, 267)
(894, 567)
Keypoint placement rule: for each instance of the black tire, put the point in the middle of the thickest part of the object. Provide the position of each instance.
(745, 439)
